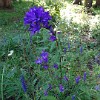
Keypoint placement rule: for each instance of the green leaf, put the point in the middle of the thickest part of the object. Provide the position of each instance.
(48, 98)
(53, 45)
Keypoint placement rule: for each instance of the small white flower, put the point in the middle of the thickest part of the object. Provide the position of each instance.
(11, 52)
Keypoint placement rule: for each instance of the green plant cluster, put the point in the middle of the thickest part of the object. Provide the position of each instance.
(70, 52)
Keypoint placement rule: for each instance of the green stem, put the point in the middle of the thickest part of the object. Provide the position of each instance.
(2, 83)
(60, 48)
(61, 68)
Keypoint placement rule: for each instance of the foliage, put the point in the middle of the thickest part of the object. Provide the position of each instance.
(42, 67)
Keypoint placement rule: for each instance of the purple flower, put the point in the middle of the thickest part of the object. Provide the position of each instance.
(45, 66)
(52, 38)
(44, 56)
(58, 32)
(55, 66)
(77, 79)
(97, 87)
(64, 50)
(45, 93)
(37, 18)
(81, 49)
(39, 61)
(73, 97)
(65, 78)
(23, 83)
(84, 76)
(49, 86)
(61, 88)
(51, 30)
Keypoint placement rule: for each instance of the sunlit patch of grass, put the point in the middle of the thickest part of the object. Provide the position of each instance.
(76, 14)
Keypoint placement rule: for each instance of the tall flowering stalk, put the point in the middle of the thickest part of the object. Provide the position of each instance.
(43, 59)
(37, 18)
(61, 88)
(73, 97)
(23, 83)
(81, 49)
(77, 79)
(84, 76)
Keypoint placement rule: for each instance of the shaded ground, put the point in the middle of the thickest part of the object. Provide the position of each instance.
(11, 20)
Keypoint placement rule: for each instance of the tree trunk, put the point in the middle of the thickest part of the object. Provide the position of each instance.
(97, 3)
(5, 3)
(1, 3)
(88, 3)
(79, 2)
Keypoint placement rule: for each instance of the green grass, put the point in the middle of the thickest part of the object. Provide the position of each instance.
(11, 20)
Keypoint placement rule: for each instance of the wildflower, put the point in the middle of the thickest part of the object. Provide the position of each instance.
(45, 66)
(84, 76)
(65, 78)
(23, 83)
(52, 38)
(39, 61)
(44, 56)
(58, 32)
(64, 50)
(61, 88)
(45, 93)
(49, 86)
(55, 66)
(77, 79)
(51, 30)
(11, 52)
(73, 97)
(81, 49)
(37, 18)
(97, 87)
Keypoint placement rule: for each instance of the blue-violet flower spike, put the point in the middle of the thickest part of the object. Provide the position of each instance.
(52, 38)
(65, 78)
(65, 50)
(45, 93)
(45, 66)
(23, 83)
(39, 61)
(55, 66)
(97, 87)
(73, 97)
(44, 56)
(61, 88)
(84, 76)
(77, 79)
(49, 86)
